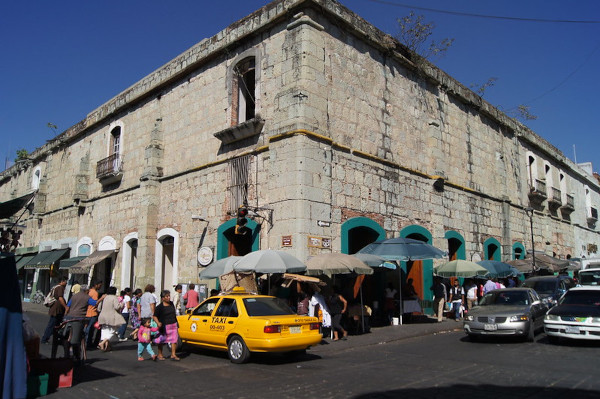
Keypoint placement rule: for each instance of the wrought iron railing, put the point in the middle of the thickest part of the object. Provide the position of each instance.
(109, 166)
(539, 186)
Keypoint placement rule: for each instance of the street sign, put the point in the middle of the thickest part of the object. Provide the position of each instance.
(323, 223)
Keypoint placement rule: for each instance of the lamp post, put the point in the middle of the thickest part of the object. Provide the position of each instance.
(529, 211)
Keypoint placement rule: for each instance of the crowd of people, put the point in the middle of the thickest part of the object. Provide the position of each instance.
(458, 299)
(100, 318)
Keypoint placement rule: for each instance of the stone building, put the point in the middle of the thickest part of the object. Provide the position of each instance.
(331, 132)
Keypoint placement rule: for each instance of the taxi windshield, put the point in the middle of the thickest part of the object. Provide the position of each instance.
(266, 307)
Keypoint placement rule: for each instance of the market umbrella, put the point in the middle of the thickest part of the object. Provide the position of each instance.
(220, 267)
(541, 262)
(498, 269)
(460, 268)
(269, 261)
(336, 263)
(375, 261)
(402, 249)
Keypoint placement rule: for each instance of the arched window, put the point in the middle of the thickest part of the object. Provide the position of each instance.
(244, 89)
(492, 249)
(35, 179)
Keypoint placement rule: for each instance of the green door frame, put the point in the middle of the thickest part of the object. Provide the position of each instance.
(223, 242)
(497, 255)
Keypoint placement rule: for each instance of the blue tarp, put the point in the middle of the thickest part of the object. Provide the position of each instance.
(13, 362)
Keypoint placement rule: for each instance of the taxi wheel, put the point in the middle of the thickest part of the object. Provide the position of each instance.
(237, 350)
(180, 345)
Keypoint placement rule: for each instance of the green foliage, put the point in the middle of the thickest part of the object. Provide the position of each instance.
(22, 154)
(416, 34)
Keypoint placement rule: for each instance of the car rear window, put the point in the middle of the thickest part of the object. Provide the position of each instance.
(266, 307)
(541, 286)
(589, 277)
(581, 297)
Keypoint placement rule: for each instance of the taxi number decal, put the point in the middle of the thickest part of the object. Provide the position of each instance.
(214, 327)
(194, 326)
(219, 320)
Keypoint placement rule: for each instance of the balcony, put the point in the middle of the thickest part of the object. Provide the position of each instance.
(592, 215)
(110, 170)
(569, 205)
(537, 192)
(555, 199)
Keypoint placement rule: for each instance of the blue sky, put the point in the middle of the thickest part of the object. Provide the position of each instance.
(61, 60)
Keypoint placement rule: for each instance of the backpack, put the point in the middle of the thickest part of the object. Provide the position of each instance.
(50, 299)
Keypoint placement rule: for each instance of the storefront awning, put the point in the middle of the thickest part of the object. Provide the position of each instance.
(22, 260)
(84, 266)
(45, 260)
(9, 208)
(68, 263)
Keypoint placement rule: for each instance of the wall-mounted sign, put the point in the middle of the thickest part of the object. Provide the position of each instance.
(323, 223)
(205, 256)
(319, 242)
(286, 241)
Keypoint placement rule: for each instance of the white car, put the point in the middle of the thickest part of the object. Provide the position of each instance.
(577, 315)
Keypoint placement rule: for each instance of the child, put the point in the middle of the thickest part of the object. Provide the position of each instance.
(145, 338)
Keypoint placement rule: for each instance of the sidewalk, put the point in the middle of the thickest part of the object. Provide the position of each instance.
(419, 326)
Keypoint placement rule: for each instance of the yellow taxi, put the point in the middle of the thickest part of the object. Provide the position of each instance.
(240, 323)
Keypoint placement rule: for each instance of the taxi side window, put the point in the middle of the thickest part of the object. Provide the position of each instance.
(206, 308)
(227, 308)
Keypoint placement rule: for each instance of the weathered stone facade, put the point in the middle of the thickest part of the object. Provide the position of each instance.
(348, 126)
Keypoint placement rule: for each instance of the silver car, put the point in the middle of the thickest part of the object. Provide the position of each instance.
(507, 311)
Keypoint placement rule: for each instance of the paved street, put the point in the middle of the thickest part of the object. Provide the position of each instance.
(390, 362)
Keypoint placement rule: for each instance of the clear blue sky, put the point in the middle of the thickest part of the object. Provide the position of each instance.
(61, 60)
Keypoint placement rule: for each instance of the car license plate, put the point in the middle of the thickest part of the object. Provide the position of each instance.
(571, 330)
(490, 327)
(295, 329)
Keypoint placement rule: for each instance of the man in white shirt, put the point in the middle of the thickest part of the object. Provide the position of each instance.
(457, 298)
(471, 295)
(125, 313)
(489, 286)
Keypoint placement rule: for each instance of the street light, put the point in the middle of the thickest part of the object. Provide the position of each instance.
(529, 211)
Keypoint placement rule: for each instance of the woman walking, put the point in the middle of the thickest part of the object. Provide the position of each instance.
(134, 314)
(166, 319)
(110, 318)
(337, 307)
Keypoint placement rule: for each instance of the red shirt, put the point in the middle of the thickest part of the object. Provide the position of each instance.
(192, 299)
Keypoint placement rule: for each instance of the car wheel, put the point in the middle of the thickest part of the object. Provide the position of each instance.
(531, 332)
(237, 350)
(180, 345)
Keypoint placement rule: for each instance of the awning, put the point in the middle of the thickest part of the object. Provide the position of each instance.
(84, 266)
(45, 260)
(22, 260)
(68, 263)
(9, 208)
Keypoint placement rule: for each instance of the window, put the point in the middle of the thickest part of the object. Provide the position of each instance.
(115, 141)
(206, 308)
(35, 180)
(244, 90)
(238, 182)
(227, 308)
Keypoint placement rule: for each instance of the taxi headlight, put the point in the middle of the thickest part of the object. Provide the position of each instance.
(522, 317)
(552, 317)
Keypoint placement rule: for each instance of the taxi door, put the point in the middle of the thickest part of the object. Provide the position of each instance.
(224, 320)
(196, 326)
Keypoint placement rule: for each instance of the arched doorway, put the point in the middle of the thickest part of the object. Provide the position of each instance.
(518, 251)
(421, 271)
(230, 244)
(456, 245)
(358, 232)
(492, 250)
(129, 260)
(166, 258)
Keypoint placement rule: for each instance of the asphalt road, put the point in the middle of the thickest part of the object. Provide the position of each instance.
(443, 365)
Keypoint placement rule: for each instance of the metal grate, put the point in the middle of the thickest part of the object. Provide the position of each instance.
(238, 182)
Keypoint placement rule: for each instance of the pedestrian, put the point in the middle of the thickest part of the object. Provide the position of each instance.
(337, 307)
(439, 298)
(178, 300)
(317, 307)
(166, 319)
(126, 312)
(134, 313)
(76, 310)
(489, 286)
(57, 309)
(457, 299)
(144, 337)
(302, 308)
(390, 301)
(91, 332)
(471, 295)
(147, 302)
(110, 318)
(190, 299)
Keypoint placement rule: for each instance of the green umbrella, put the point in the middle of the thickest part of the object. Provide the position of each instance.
(460, 268)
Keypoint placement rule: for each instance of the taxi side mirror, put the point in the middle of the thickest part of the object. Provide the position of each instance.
(188, 311)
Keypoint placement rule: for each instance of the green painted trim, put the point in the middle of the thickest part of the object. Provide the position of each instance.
(359, 221)
(427, 264)
(223, 242)
(497, 255)
(522, 247)
(462, 251)
(416, 229)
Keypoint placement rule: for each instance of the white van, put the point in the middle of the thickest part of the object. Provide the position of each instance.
(589, 276)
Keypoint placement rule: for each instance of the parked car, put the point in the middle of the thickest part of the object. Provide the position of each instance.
(589, 277)
(550, 288)
(507, 311)
(577, 315)
(241, 323)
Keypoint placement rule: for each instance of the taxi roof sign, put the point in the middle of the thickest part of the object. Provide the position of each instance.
(238, 290)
